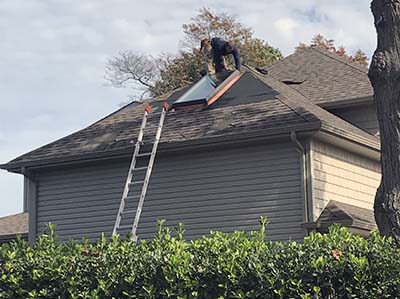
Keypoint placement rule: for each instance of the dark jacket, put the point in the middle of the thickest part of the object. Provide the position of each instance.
(220, 49)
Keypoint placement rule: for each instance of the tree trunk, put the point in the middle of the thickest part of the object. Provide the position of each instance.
(384, 74)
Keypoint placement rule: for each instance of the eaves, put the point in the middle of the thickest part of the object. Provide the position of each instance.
(204, 142)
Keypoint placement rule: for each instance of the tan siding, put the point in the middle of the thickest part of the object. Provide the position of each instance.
(342, 176)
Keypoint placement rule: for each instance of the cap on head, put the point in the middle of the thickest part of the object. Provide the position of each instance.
(204, 42)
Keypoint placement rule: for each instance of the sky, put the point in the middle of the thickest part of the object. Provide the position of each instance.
(53, 55)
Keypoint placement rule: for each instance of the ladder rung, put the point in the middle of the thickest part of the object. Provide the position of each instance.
(143, 155)
(140, 168)
(128, 212)
(132, 197)
(124, 226)
(136, 183)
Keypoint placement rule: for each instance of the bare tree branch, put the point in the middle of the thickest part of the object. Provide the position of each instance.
(129, 66)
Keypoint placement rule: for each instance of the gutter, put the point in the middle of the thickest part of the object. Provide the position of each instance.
(163, 147)
(27, 174)
(307, 204)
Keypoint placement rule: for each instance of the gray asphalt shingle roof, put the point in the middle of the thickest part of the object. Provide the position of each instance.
(326, 77)
(347, 215)
(264, 106)
(13, 225)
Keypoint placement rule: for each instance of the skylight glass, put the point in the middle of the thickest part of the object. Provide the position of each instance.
(206, 91)
(199, 92)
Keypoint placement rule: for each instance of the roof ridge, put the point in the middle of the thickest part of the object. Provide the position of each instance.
(315, 110)
(284, 100)
(336, 204)
(265, 67)
(250, 69)
(339, 58)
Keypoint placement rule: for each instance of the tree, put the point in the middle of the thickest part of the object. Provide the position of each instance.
(129, 66)
(208, 24)
(384, 74)
(160, 75)
(329, 44)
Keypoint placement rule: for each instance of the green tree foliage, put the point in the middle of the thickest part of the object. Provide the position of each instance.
(239, 265)
(177, 72)
(160, 75)
(329, 44)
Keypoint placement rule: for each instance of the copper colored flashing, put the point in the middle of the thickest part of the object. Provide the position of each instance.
(221, 91)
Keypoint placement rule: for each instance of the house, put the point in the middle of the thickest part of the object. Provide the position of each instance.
(13, 226)
(297, 145)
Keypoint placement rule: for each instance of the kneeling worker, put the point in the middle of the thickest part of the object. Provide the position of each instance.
(216, 49)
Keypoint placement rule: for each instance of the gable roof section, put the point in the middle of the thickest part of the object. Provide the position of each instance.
(255, 105)
(13, 225)
(323, 77)
(347, 215)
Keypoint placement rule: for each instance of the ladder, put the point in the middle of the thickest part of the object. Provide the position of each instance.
(131, 183)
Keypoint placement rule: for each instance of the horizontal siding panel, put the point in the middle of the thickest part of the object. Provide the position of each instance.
(324, 196)
(206, 223)
(218, 158)
(200, 215)
(107, 198)
(368, 178)
(348, 184)
(256, 201)
(363, 117)
(210, 172)
(342, 165)
(187, 184)
(165, 177)
(342, 176)
(275, 187)
(225, 189)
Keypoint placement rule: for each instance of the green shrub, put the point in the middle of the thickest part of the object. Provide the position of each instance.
(238, 265)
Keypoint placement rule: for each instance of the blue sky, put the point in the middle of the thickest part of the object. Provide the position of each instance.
(53, 54)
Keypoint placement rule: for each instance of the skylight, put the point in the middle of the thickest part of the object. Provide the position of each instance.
(206, 91)
(198, 92)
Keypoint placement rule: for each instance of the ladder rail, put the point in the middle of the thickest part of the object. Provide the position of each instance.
(148, 174)
(130, 173)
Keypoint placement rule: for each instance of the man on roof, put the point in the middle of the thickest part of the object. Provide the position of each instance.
(215, 50)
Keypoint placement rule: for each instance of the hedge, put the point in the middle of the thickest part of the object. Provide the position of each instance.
(238, 265)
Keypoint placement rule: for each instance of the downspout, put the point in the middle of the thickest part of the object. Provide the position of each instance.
(30, 198)
(303, 174)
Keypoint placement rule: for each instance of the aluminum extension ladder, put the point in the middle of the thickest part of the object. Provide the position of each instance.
(131, 183)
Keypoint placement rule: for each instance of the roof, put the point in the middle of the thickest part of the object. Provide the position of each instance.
(347, 215)
(255, 105)
(323, 77)
(13, 225)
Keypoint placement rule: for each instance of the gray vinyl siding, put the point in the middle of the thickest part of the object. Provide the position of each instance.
(363, 117)
(221, 190)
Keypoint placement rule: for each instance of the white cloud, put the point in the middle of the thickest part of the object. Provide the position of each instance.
(53, 53)
(286, 27)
